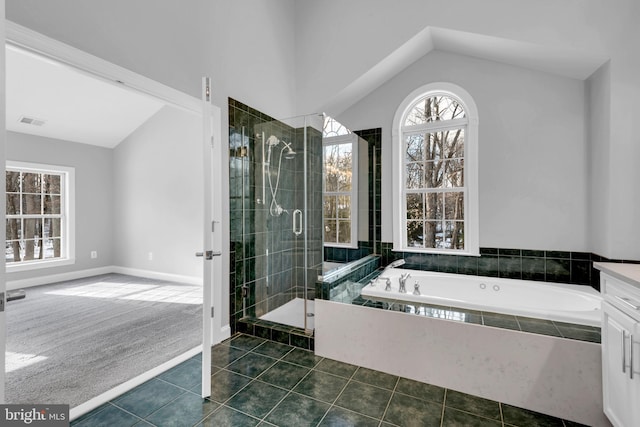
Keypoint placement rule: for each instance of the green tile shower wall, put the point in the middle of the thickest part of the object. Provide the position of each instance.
(253, 230)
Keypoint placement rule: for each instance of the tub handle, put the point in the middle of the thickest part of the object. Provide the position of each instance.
(630, 356)
(628, 302)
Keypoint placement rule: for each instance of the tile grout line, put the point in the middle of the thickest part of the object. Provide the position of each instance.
(393, 392)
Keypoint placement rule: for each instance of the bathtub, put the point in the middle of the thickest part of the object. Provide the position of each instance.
(552, 301)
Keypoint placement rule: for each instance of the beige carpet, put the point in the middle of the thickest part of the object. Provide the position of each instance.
(71, 341)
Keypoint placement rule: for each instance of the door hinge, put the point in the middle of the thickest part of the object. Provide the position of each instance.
(1, 302)
(212, 311)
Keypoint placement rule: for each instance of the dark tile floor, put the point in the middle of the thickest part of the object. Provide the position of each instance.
(265, 383)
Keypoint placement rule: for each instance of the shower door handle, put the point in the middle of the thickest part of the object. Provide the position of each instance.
(297, 228)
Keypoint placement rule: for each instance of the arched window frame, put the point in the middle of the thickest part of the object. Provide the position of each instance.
(471, 209)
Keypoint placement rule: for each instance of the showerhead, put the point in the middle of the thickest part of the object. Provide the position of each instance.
(289, 154)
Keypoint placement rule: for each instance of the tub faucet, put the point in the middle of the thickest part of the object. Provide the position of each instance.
(403, 281)
(387, 286)
(416, 288)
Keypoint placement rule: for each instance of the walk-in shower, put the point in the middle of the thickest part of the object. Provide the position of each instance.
(276, 215)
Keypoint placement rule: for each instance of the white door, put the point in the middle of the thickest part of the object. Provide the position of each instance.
(213, 256)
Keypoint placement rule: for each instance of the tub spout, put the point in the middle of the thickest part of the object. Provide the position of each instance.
(396, 263)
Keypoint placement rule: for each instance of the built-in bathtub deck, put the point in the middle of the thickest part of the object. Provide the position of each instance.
(518, 323)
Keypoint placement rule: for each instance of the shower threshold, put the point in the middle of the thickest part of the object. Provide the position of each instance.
(292, 314)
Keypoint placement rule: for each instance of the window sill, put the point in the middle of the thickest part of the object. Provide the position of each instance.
(438, 251)
(36, 265)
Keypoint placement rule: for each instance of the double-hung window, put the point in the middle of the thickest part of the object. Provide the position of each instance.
(340, 196)
(39, 227)
(435, 172)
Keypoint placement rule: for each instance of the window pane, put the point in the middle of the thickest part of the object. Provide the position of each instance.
(14, 230)
(452, 143)
(344, 207)
(32, 228)
(52, 227)
(434, 108)
(330, 207)
(51, 204)
(454, 176)
(31, 250)
(434, 206)
(454, 205)
(345, 166)
(415, 206)
(31, 204)
(415, 148)
(432, 228)
(415, 175)
(438, 235)
(434, 174)
(51, 184)
(12, 251)
(415, 237)
(331, 169)
(454, 235)
(13, 204)
(344, 232)
(51, 248)
(330, 231)
(12, 181)
(31, 183)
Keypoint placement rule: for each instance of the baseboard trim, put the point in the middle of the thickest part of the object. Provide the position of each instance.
(190, 280)
(105, 397)
(48, 279)
(54, 278)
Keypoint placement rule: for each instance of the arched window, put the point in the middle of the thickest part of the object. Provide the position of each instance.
(435, 173)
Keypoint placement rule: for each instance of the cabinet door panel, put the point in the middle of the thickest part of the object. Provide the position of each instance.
(620, 389)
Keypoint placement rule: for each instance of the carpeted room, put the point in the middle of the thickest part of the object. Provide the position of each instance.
(134, 214)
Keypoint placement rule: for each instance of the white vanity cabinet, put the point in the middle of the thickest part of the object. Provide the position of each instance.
(620, 350)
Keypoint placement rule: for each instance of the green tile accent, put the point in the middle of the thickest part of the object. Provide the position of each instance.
(500, 321)
(364, 399)
(409, 411)
(298, 411)
(580, 334)
(538, 326)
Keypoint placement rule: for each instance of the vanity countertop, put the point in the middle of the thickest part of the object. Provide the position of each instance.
(629, 273)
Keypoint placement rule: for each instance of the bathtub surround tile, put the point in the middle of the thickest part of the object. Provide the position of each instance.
(500, 321)
(537, 326)
(510, 267)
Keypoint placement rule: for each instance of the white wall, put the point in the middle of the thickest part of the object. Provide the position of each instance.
(158, 188)
(94, 196)
(532, 151)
